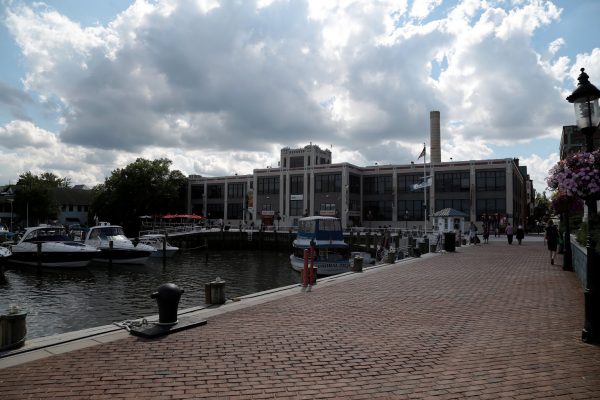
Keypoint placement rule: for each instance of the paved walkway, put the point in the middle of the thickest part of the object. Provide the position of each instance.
(487, 322)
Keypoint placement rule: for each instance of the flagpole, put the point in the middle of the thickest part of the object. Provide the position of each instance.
(424, 189)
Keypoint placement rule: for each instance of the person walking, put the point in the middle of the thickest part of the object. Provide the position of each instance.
(473, 234)
(551, 238)
(509, 232)
(486, 234)
(520, 234)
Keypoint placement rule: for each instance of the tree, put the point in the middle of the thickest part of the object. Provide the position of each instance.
(143, 187)
(541, 211)
(34, 198)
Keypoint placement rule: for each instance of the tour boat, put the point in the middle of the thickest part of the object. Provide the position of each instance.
(158, 242)
(50, 246)
(332, 254)
(122, 251)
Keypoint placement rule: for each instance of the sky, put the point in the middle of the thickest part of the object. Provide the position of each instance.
(219, 87)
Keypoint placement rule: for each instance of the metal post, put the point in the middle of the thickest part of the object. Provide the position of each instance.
(39, 255)
(110, 250)
(305, 270)
(591, 328)
(568, 254)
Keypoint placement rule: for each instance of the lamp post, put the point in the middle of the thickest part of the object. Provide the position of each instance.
(585, 99)
(406, 220)
(568, 254)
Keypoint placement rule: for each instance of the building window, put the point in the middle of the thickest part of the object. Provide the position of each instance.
(490, 207)
(328, 183)
(327, 207)
(414, 208)
(490, 181)
(215, 191)
(214, 211)
(296, 184)
(452, 182)
(79, 208)
(70, 207)
(267, 207)
(297, 162)
(463, 205)
(377, 184)
(354, 184)
(197, 192)
(378, 210)
(235, 190)
(296, 207)
(234, 210)
(268, 185)
(405, 182)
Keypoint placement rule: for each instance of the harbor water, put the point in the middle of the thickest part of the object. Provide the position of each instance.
(65, 300)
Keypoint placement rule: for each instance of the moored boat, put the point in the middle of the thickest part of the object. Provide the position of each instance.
(50, 246)
(163, 248)
(122, 250)
(332, 253)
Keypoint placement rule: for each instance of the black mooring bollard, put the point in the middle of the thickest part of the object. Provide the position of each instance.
(167, 297)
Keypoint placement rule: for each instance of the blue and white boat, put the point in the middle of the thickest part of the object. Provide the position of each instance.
(115, 247)
(332, 253)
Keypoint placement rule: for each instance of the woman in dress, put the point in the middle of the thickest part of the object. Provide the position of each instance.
(551, 237)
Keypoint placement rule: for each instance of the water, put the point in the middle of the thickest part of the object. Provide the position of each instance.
(64, 300)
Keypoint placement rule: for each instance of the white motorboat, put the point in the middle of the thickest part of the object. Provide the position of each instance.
(158, 242)
(324, 234)
(50, 246)
(115, 247)
(4, 252)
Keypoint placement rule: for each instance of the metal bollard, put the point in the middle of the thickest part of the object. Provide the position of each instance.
(167, 297)
(357, 265)
(217, 291)
(13, 328)
(391, 257)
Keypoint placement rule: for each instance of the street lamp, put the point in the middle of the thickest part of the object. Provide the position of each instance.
(406, 220)
(585, 99)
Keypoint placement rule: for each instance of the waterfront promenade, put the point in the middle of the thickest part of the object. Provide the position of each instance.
(487, 322)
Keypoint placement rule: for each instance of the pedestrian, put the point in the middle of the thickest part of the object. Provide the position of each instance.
(473, 233)
(509, 232)
(551, 238)
(486, 234)
(520, 234)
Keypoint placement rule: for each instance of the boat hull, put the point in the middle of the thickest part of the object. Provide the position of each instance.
(123, 256)
(169, 253)
(55, 259)
(322, 268)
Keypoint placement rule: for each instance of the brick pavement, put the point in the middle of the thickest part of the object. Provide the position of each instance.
(488, 322)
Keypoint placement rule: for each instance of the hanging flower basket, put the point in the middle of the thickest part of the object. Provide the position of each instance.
(561, 203)
(577, 176)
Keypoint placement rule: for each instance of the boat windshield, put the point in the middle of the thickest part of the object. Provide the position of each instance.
(47, 234)
(330, 225)
(108, 233)
(307, 226)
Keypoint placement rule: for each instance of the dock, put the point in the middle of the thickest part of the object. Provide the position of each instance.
(485, 322)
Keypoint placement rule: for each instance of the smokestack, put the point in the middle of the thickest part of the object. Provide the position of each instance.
(434, 123)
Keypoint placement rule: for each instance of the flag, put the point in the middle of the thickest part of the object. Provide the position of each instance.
(422, 153)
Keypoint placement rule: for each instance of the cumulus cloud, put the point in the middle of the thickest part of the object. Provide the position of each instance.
(219, 87)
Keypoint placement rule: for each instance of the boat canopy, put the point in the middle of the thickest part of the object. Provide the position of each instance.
(320, 228)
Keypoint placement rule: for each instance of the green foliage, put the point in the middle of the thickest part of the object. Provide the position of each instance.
(34, 197)
(143, 187)
(542, 207)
